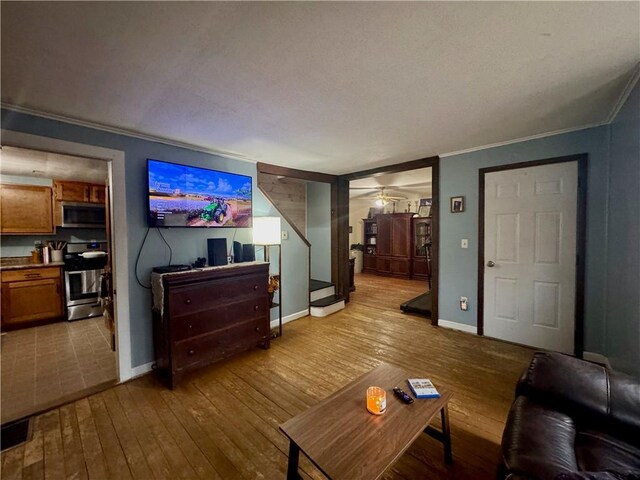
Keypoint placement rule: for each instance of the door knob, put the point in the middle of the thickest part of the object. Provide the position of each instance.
(491, 263)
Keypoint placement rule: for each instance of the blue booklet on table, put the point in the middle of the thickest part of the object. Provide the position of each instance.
(423, 388)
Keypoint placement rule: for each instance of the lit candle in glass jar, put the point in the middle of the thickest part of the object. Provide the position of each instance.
(376, 400)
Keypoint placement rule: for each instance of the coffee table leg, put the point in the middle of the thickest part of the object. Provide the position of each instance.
(446, 434)
(292, 468)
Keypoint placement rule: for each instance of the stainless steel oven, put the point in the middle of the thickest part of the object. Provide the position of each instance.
(83, 266)
(83, 215)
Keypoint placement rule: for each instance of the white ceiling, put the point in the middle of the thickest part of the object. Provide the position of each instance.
(32, 163)
(411, 184)
(325, 86)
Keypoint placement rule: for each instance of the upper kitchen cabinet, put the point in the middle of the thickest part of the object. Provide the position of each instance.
(78, 192)
(67, 191)
(97, 193)
(25, 209)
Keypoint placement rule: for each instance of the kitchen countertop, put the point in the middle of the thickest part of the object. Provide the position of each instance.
(18, 263)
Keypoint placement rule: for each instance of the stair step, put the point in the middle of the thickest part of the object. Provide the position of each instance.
(322, 293)
(326, 301)
(326, 306)
(318, 285)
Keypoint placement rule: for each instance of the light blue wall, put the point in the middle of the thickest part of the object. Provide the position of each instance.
(458, 267)
(295, 264)
(187, 244)
(623, 252)
(318, 229)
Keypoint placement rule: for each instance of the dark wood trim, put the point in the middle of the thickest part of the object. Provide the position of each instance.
(284, 215)
(337, 270)
(342, 232)
(434, 163)
(480, 266)
(295, 173)
(581, 250)
(581, 235)
(435, 239)
(398, 167)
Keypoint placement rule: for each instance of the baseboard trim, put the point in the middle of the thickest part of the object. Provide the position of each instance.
(290, 318)
(596, 358)
(141, 370)
(463, 327)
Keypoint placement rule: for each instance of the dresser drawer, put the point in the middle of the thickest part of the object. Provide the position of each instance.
(215, 294)
(218, 345)
(205, 321)
(31, 274)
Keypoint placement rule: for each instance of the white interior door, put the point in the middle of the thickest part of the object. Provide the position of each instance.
(530, 225)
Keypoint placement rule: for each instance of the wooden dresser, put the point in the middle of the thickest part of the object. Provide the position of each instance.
(202, 316)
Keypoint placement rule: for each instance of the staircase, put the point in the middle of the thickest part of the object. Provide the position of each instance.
(324, 300)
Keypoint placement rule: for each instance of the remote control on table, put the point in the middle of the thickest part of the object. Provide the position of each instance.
(402, 395)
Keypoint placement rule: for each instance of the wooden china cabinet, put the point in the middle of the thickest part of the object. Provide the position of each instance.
(422, 248)
(387, 244)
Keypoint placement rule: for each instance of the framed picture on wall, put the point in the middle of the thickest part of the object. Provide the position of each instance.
(457, 204)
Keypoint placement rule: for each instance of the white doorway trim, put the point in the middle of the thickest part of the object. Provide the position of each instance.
(581, 226)
(116, 160)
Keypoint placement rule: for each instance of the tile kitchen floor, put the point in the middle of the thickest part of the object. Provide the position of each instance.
(43, 365)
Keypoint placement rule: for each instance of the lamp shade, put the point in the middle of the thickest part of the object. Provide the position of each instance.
(266, 230)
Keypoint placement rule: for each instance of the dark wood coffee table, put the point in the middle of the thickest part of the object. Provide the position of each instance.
(345, 441)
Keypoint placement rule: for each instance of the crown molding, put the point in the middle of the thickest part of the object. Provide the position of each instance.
(523, 139)
(129, 133)
(628, 88)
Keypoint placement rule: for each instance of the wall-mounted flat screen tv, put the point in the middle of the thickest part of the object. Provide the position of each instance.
(184, 196)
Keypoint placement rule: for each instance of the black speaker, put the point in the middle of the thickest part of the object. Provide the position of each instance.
(237, 252)
(248, 252)
(217, 249)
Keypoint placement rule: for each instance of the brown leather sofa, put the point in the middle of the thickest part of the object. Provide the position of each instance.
(572, 420)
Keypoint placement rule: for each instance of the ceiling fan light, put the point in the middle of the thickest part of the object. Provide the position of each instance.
(380, 202)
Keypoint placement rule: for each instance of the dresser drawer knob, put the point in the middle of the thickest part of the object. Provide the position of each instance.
(257, 329)
(188, 301)
(190, 327)
(191, 352)
(255, 287)
(256, 307)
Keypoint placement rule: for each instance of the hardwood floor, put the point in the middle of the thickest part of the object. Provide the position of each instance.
(222, 423)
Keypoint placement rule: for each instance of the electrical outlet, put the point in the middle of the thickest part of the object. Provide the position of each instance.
(464, 304)
(285, 235)
(464, 243)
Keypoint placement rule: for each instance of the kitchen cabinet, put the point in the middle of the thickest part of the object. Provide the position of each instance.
(68, 191)
(25, 209)
(31, 295)
(80, 192)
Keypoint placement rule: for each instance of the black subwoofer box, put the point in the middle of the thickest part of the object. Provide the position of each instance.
(217, 250)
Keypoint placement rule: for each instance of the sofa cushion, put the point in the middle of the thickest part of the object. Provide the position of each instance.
(538, 441)
(598, 451)
(598, 476)
(625, 406)
(566, 383)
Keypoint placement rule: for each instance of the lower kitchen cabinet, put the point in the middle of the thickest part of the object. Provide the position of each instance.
(31, 295)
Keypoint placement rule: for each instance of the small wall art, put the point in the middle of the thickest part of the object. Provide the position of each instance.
(457, 204)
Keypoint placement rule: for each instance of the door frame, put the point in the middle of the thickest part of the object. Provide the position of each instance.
(434, 163)
(581, 237)
(119, 232)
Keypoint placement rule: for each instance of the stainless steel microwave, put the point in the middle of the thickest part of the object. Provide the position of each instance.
(83, 215)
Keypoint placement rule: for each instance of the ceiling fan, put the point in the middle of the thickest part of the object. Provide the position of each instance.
(381, 198)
